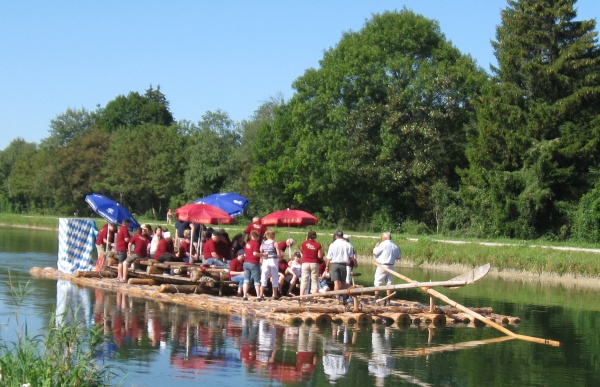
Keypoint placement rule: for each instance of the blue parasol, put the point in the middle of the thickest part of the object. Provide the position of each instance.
(230, 202)
(110, 210)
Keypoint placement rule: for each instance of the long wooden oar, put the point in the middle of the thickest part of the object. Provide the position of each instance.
(361, 290)
(479, 317)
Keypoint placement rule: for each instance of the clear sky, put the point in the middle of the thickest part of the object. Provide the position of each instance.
(205, 55)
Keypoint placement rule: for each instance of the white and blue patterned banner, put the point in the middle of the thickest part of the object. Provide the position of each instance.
(76, 241)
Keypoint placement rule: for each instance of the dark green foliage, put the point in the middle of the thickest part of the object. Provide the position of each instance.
(135, 110)
(537, 133)
(374, 127)
(395, 130)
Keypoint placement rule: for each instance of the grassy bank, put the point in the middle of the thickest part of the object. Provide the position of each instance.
(535, 257)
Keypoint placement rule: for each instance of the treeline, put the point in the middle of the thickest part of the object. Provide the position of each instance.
(396, 129)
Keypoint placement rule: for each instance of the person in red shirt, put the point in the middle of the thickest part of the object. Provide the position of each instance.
(252, 265)
(183, 253)
(282, 267)
(210, 250)
(105, 235)
(138, 248)
(311, 252)
(122, 243)
(256, 226)
(283, 245)
(165, 251)
(236, 271)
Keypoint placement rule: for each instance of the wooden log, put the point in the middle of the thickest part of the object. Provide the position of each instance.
(460, 317)
(88, 274)
(309, 308)
(184, 289)
(153, 270)
(438, 320)
(320, 319)
(412, 285)
(141, 281)
(415, 319)
(478, 316)
(288, 319)
(498, 318)
(398, 318)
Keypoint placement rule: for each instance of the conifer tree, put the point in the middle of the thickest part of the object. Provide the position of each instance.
(538, 124)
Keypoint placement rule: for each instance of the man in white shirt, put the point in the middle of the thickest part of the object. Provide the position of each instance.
(386, 253)
(339, 254)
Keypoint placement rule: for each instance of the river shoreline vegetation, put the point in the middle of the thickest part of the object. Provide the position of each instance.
(395, 130)
(539, 258)
(64, 355)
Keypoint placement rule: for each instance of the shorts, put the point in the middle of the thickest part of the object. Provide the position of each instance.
(122, 256)
(251, 271)
(382, 276)
(132, 257)
(101, 249)
(338, 271)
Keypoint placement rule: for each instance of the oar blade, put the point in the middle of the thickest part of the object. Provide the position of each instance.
(472, 275)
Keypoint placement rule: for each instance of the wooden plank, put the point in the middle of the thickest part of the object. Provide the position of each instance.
(468, 311)
(351, 291)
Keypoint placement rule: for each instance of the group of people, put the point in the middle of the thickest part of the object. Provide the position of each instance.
(253, 258)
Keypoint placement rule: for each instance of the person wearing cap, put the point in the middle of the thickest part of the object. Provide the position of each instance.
(386, 253)
(211, 251)
(257, 226)
(236, 271)
(138, 248)
(339, 254)
(311, 252)
(122, 242)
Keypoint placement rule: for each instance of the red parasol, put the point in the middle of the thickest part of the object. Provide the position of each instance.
(203, 214)
(289, 218)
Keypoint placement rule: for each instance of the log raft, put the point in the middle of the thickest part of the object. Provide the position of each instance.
(204, 294)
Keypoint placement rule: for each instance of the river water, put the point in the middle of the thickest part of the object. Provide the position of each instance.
(154, 344)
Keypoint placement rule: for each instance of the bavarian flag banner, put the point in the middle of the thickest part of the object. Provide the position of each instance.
(76, 241)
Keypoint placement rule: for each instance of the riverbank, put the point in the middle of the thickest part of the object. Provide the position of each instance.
(527, 261)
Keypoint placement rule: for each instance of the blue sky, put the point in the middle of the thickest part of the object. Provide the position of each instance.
(205, 55)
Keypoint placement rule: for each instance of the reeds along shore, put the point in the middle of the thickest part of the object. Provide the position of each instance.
(321, 311)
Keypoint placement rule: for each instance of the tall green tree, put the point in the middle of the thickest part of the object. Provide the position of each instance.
(212, 162)
(135, 109)
(144, 167)
(66, 126)
(16, 150)
(375, 126)
(538, 124)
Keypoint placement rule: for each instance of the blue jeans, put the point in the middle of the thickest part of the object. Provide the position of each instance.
(251, 271)
(239, 279)
(214, 261)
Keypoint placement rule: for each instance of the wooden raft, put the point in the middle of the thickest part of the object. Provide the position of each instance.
(287, 311)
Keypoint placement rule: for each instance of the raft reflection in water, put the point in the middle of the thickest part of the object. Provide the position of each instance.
(197, 343)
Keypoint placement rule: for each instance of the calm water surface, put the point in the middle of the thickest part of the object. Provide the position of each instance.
(161, 344)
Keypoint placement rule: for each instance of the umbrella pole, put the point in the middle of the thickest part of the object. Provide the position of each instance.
(192, 242)
(289, 247)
